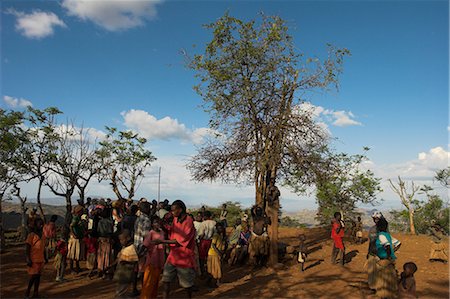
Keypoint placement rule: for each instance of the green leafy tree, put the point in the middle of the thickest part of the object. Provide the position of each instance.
(343, 185)
(13, 156)
(124, 160)
(252, 82)
(41, 132)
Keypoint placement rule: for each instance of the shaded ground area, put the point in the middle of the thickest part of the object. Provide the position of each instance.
(320, 280)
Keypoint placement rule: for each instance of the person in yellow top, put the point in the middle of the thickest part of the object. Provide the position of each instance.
(216, 253)
(126, 261)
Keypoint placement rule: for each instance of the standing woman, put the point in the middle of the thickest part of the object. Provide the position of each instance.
(75, 246)
(35, 247)
(105, 232)
(337, 234)
(386, 277)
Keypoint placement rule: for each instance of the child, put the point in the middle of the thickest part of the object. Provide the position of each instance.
(243, 242)
(302, 251)
(60, 259)
(91, 252)
(337, 233)
(407, 283)
(49, 232)
(127, 260)
(359, 231)
(155, 260)
(35, 247)
(215, 253)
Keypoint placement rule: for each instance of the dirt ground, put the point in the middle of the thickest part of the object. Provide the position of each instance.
(320, 280)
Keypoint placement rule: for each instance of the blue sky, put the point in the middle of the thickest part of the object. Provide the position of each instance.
(120, 64)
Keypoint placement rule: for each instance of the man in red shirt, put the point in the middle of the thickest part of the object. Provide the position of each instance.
(181, 259)
(337, 233)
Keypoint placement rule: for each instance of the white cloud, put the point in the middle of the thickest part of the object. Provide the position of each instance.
(37, 24)
(74, 133)
(165, 128)
(113, 15)
(12, 102)
(339, 118)
(344, 119)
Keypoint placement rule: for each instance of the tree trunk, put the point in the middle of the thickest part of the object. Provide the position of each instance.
(68, 219)
(411, 222)
(114, 184)
(23, 211)
(38, 199)
(2, 233)
(272, 212)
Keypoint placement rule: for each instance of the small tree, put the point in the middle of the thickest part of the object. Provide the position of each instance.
(408, 199)
(13, 156)
(343, 184)
(43, 139)
(123, 159)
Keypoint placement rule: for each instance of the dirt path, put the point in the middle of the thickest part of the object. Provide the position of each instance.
(320, 280)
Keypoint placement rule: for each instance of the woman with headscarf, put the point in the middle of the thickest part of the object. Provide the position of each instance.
(386, 277)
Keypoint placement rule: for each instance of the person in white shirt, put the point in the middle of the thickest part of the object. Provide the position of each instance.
(205, 233)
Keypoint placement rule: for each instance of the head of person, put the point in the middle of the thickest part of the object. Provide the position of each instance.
(125, 237)
(376, 216)
(88, 201)
(53, 218)
(38, 224)
(203, 209)
(359, 218)
(105, 213)
(33, 211)
(145, 207)
(337, 216)
(161, 205)
(199, 217)
(245, 227)
(178, 208)
(220, 228)
(259, 211)
(409, 269)
(133, 210)
(156, 223)
(224, 206)
(207, 215)
(382, 225)
(238, 222)
(302, 237)
(78, 210)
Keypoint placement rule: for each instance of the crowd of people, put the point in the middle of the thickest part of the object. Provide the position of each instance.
(143, 244)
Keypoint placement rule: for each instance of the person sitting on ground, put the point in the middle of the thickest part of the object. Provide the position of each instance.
(337, 234)
(216, 253)
(233, 241)
(258, 249)
(438, 252)
(127, 260)
(35, 257)
(407, 283)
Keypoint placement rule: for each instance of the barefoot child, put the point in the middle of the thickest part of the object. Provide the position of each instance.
(215, 253)
(60, 259)
(127, 260)
(407, 283)
(155, 260)
(35, 247)
(337, 233)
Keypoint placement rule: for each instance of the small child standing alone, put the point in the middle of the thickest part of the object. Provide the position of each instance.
(60, 259)
(302, 251)
(407, 283)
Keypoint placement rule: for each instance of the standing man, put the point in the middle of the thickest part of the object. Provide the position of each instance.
(181, 259)
(142, 226)
(337, 234)
(223, 216)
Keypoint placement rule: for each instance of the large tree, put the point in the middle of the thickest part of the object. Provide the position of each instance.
(124, 159)
(252, 81)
